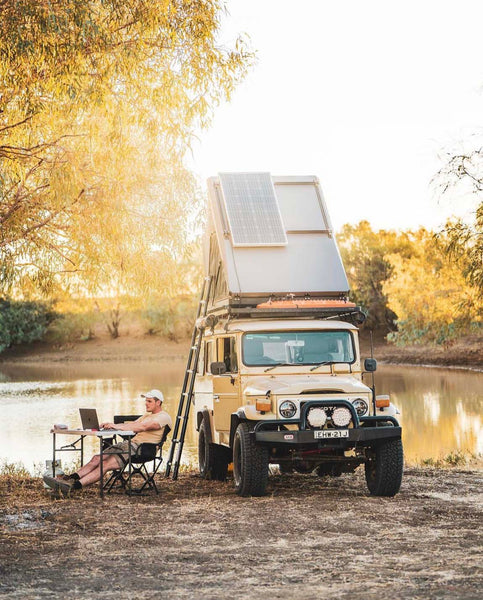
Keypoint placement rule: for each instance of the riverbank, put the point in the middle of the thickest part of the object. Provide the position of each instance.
(309, 538)
(464, 353)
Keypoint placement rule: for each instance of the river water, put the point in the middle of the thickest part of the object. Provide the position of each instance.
(440, 408)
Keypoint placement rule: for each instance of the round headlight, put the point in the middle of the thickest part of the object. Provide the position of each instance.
(361, 406)
(287, 409)
(341, 416)
(316, 417)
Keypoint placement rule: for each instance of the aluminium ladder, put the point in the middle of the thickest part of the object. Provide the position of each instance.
(184, 404)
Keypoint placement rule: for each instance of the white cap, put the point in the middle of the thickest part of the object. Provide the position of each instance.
(154, 394)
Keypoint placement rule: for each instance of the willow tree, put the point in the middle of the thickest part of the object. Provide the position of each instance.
(99, 100)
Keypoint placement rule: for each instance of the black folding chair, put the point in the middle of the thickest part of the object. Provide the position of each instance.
(146, 453)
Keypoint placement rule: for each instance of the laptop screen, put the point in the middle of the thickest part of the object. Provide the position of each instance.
(89, 418)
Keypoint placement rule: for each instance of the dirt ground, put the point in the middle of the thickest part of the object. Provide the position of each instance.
(308, 538)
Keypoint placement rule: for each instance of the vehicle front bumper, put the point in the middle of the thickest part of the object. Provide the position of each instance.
(363, 436)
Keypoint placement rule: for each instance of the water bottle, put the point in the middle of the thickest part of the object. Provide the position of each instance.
(49, 471)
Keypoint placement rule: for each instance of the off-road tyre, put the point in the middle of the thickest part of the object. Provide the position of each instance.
(250, 464)
(384, 468)
(211, 460)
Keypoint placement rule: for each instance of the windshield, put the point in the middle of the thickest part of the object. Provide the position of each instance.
(297, 347)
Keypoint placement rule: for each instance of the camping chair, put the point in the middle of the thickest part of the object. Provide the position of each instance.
(144, 454)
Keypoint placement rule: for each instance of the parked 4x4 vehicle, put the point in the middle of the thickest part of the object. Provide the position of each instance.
(274, 368)
(291, 393)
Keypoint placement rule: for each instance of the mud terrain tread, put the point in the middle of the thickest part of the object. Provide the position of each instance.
(384, 471)
(254, 466)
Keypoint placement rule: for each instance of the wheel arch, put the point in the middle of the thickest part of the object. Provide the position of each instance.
(236, 419)
(200, 415)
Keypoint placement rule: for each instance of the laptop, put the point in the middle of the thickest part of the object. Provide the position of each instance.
(89, 418)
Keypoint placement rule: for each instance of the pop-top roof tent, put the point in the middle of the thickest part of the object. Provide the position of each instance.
(270, 238)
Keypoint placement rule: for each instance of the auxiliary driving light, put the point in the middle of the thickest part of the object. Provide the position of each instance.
(316, 417)
(341, 416)
(361, 406)
(287, 409)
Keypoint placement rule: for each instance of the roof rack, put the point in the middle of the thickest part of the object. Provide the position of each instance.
(354, 315)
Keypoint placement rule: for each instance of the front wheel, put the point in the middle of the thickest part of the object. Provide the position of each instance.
(384, 468)
(250, 464)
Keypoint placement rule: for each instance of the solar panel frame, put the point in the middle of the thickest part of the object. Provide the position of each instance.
(252, 209)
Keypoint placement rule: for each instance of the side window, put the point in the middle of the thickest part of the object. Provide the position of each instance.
(209, 355)
(228, 354)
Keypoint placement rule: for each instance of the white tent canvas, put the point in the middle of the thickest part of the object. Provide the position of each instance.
(273, 236)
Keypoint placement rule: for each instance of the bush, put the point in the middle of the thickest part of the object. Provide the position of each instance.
(72, 327)
(23, 322)
(173, 318)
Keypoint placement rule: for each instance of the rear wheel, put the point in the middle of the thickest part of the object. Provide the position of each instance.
(384, 468)
(211, 459)
(250, 464)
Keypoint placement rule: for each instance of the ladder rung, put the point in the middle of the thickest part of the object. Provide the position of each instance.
(194, 347)
(189, 371)
(180, 417)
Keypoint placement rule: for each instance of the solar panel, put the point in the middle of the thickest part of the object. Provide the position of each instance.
(252, 209)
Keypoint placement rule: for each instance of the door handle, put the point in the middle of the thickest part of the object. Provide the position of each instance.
(216, 398)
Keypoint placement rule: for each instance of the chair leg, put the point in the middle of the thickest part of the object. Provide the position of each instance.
(116, 476)
(148, 477)
(122, 477)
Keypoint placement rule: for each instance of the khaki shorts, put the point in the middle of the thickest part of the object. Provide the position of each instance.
(121, 451)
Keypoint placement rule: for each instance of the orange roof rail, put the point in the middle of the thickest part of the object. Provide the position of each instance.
(294, 303)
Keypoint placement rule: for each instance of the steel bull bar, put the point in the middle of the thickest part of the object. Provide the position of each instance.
(364, 430)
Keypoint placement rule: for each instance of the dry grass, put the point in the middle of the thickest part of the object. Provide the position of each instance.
(308, 538)
(455, 459)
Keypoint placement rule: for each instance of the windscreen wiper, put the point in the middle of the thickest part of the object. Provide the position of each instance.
(280, 364)
(326, 362)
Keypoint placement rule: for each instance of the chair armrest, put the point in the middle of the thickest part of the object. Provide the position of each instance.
(146, 452)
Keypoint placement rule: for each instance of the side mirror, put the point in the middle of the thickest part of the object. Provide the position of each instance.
(370, 365)
(218, 368)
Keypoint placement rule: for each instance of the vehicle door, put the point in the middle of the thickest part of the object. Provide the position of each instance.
(226, 387)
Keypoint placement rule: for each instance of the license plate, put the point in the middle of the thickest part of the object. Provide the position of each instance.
(331, 433)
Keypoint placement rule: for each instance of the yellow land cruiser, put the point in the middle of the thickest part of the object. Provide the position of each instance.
(290, 392)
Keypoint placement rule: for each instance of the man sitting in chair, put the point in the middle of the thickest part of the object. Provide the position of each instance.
(148, 429)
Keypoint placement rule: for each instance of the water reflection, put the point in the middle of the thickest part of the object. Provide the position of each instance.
(440, 408)
(32, 399)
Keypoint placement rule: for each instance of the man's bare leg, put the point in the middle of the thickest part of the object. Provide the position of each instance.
(90, 466)
(93, 475)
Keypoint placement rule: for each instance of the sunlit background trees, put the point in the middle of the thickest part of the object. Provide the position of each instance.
(99, 102)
